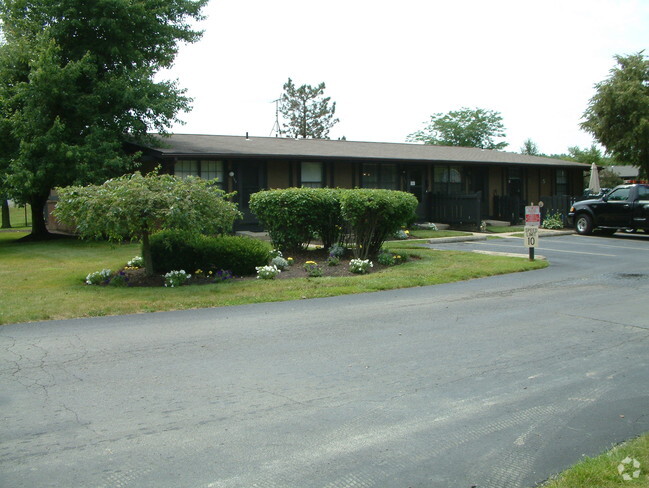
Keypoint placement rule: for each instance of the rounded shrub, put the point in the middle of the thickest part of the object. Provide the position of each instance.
(374, 215)
(241, 255)
(293, 217)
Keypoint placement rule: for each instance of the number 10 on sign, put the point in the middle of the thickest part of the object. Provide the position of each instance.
(531, 236)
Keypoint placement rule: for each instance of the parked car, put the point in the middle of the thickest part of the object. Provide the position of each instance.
(625, 207)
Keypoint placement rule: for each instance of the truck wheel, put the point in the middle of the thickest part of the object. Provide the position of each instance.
(584, 225)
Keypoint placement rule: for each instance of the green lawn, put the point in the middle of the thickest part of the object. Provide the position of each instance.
(45, 280)
(603, 471)
(17, 217)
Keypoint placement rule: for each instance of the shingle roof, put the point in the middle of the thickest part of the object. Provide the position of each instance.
(193, 145)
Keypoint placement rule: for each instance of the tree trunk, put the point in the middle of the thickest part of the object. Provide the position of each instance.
(6, 221)
(146, 255)
(39, 231)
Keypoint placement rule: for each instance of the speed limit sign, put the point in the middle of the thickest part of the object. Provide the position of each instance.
(531, 237)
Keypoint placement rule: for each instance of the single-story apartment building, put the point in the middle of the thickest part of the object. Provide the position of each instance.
(502, 183)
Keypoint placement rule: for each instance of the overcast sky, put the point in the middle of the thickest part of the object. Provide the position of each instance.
(389, 65)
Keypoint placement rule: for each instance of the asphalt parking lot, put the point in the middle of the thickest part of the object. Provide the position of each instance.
(495, 382)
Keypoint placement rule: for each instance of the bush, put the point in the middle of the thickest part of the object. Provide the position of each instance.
(267, 272)
(553, 221)
(241, 255)
(279, 262)
(293, 217)
(374, 215)
(99, 277)
(176, 249)
(176, 278)
(360, 266)
(173, 250)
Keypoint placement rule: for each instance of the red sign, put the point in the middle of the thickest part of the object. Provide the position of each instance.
(533, 216)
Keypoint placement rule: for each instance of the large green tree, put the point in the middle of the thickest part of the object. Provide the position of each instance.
(307, 112)
(607, 177)
(134, 206)
(618, 114)
(465, 128)
(77, 83)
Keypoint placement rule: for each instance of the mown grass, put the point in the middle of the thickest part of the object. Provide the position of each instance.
(18, 218)
(602, 471)
(45, 280)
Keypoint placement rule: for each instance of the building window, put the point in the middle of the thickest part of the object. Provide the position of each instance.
(183, 169)
(379, 176)
(447, 179)
(205, 169)
(562, 182)
(311, 175)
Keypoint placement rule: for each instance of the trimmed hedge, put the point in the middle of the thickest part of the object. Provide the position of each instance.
(175, 250)
(293, 217)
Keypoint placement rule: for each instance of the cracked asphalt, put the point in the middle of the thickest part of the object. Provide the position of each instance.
(497, 382)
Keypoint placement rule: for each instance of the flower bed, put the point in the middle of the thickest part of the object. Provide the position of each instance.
(302, 266)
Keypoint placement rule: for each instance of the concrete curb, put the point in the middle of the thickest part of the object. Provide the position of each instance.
(511, 255)
(438, 240)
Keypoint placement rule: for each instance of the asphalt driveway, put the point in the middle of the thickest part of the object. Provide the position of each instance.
(496, 382)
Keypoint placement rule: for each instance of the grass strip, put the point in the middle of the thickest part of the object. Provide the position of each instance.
(45, 280)
(608, 469)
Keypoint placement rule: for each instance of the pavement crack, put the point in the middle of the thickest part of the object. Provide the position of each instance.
(604, 321)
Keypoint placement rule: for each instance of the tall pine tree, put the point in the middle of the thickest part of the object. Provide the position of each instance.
(308, 113)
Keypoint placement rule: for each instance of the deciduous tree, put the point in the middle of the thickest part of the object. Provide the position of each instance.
(465, 128)
(77, 83)
(618, 114)
(134, 206)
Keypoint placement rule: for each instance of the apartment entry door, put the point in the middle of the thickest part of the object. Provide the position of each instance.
(416, 184)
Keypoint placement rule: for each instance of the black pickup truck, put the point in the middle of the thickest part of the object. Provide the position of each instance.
(625, 207)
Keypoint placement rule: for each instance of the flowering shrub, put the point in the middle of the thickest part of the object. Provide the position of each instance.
(176, 278)
(267, 272)
(98, 277)
(401, 234)
(553, 221)
(279, 262)
(290, 261)
(136, 262)
(360, 266)
(312, 269)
